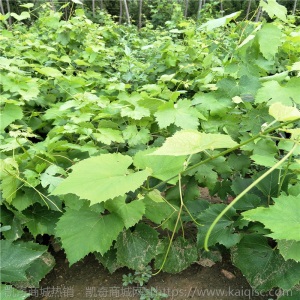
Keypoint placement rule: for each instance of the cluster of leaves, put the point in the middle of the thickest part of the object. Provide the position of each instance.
(119, 129)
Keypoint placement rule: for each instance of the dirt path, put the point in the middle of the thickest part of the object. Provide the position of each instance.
(89, 280)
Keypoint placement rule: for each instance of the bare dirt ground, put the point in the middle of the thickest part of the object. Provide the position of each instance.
(87, 279)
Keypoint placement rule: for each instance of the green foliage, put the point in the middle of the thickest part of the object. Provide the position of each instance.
(140, 277)
(24, 263)
(283, 226)
(94, 232)
(101, 178)
(108, 133)
(136, 249)
(8, 292)
(188, 142)
(253, 252)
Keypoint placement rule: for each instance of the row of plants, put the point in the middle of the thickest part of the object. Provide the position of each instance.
(107, 133)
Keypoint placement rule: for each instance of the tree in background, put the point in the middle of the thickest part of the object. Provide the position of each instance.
(155, 11)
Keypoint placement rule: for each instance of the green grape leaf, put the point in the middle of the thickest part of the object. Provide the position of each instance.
(39, 267)
(269, 185)
(274, 9)
(101, 178)
(136, 113)
(32, 178)
(27, 5)
(181, 114)
(41, 220)
(223, 232)
(215, 23)
(264, 160)
(109, 260)
(49, 72)
(273, 92)
(209, 102)
(188, 142)
(108, 135)
(9, 114)
(134, 137)
(264, 267)
(130, 213)
(157, 210)
(163, 167)
(24, 15)
(48, 178)
(8, 292)
(282, 218)
(9, 181)
(181, 255)
(87, 231)
(269, 35)
(283, 113)
(137, 248)
(206, 176)
(289, 249)
(16, 259)
(8, 218)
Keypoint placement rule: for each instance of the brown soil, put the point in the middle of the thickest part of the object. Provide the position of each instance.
(87, 279)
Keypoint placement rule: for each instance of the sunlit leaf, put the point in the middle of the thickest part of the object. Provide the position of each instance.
(188, 142)
(101, 178)
(94, 232)
(282, 218)
(283, 113)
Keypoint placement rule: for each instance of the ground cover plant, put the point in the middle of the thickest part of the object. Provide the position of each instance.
(108, 132)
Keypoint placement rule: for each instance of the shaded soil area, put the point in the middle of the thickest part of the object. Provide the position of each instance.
(88, 279)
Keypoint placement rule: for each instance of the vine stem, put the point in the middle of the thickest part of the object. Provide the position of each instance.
(223, 212)
(174, 230)
(259, 135)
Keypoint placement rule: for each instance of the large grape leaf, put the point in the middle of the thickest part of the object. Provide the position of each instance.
(86, 231)
(8, 292)
(181, 255)
(188, 142)
(101, 178)
(273, 92)
(223, 232)
(269, 35)
(289, 249)
(263, 266)
(39, 267)
(163, 167)
(282, 218)
(137, 248)
(130, 213)
(16, 259)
